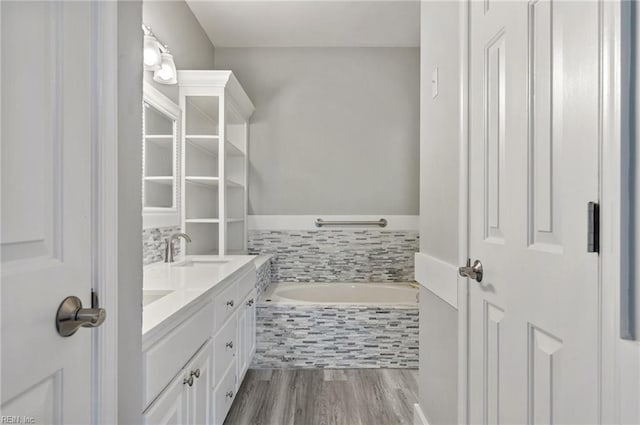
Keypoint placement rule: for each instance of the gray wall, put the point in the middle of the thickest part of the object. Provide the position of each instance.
(130, 213)
(176, 26)
(439, 166)
(335, 129)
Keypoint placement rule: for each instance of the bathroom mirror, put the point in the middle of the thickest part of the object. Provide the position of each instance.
(160, 168)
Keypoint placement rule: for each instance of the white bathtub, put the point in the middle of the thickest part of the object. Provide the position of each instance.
(374, 294)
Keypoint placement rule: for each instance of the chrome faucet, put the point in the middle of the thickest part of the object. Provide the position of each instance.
(168, 248)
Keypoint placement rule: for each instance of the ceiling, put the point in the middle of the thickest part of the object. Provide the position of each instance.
(309, 23)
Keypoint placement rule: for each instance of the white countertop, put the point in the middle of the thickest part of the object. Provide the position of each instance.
(187, 284)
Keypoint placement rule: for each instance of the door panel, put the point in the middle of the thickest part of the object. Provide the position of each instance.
(533, 320)
(494, 145)
(46, 207)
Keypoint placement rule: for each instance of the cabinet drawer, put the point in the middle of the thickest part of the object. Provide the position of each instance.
(164, 360)
(226, 303)
(246, 283)
(224, 395)
(224, 348)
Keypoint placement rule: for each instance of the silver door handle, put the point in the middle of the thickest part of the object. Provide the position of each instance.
(474, 271)
(71, 316)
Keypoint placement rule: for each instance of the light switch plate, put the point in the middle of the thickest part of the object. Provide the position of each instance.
(434, 83)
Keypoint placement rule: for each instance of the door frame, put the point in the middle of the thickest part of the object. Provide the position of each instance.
(610, 185)
(104, 168)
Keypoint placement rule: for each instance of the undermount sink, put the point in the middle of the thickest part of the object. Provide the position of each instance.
(196, 261)
(152, 295)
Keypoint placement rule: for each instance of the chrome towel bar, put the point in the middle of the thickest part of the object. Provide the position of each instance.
(320, 222)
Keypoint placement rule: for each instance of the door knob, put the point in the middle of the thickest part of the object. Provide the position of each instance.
(71, 316)
(472, 271)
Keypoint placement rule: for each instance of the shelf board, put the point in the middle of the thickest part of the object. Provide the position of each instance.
(203, 180)
(210, 144)
(206, 143)
(235, 220)
(159, 179)
(202, 220)
(158, 136)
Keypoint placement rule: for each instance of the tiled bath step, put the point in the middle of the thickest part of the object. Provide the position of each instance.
(303, 336)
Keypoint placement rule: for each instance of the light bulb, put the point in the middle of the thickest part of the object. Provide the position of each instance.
(152, 57)
(167, 72)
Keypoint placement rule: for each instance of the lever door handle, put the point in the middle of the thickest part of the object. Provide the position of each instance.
(474, 271)
(71, 316)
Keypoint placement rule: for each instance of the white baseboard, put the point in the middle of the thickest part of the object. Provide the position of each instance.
(418, 416)
(439, 277)
(307, 222)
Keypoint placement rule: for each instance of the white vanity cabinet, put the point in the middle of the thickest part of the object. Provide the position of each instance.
(186, 399)
(193, 370)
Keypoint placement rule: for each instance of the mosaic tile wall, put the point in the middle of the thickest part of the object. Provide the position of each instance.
(336, 337)
(338, 255)
(263, 276)
(153, 243)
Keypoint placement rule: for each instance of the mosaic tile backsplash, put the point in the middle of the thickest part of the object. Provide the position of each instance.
(153, 243)
(338, 255)
(335, 337)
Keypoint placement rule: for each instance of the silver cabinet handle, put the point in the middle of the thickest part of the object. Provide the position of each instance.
(474, 271)
(71, 316)
(196, 373)
(230, 303)
(188, 381)
(250, 302)
(229, 344)
(229, 394)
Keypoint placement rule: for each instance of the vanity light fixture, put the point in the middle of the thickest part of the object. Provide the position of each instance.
(167, 73)
(158, 59)
(151, 53)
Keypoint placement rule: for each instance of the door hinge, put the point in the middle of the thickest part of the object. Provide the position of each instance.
(593, 232)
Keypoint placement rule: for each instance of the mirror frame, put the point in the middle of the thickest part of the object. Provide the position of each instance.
(158, 216)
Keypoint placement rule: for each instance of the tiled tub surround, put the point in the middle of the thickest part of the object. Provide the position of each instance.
(343, 255)
(153, 243)
(314, 336)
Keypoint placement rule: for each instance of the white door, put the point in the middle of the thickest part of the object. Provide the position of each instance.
(533, 320)
(46, 247)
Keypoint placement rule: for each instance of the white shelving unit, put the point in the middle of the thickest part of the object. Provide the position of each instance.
(214, 141)
(160, 166)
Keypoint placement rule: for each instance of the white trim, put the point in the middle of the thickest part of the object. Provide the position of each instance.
(463, 217)
(437, 276)
(105, 216)
(620, 369)
(418, 416)
(218, 79)
(306, 222)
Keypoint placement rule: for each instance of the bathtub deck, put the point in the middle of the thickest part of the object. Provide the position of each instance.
(326, 396)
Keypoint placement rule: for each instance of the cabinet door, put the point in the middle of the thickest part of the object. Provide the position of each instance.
(171, 407)
(250, 337)
(199, 393)
(242, 331)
